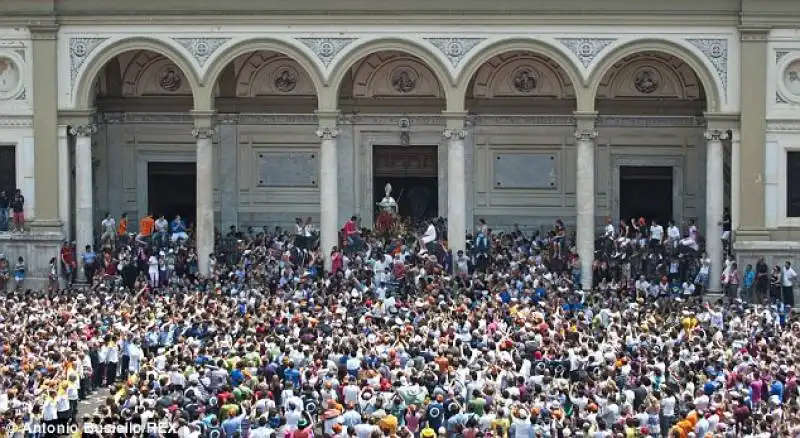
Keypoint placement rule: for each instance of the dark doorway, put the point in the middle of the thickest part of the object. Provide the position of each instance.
(8, 170)
(646, 191)
(172, 190)
(413, 173)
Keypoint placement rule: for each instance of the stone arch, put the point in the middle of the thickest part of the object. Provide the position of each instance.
(500, 47)
(83, 92)
(407, 46)
(272, 75)
(700, 68)
(230, 53)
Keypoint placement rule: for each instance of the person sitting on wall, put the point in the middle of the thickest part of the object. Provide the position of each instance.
(146, 225)
(179, 229)
(161, 230)
(351, 234)
(428, 238)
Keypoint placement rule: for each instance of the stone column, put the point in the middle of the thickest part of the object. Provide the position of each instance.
(229, 171)
(585, 203)
(328, 183)
(45, 119)
(456, 185)
(64, 180)
(736, 183)
(714, 205)
(754, 61)
(84, 210)
(204, 222)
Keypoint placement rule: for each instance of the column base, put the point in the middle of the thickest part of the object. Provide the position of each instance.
(751, 234)
(37, 247)
(712, 297)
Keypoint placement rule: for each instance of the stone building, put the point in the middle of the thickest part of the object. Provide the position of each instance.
(516, 111)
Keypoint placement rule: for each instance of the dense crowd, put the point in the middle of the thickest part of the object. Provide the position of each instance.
(400, 339)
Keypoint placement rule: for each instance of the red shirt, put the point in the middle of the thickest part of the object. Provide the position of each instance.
(350, 228)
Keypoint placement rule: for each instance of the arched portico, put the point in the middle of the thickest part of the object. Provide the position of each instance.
(341, 67)
(529, 45)
(84, 89)
(229, 53)
(715, 94)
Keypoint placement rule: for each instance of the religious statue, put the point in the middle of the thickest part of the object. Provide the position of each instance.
(388, 203)
(170, 80)
(388, 215)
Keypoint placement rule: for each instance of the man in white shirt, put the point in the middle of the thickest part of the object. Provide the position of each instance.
(428, 238)
(656, 235)
(109, 228)
(673, 233)
(788, 277)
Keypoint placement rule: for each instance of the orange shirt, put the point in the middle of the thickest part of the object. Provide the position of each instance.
(123, 227)
(146, 226)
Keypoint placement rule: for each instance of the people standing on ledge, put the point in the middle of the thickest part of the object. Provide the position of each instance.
(18, 211)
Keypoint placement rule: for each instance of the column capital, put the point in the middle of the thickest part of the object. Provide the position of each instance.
(86, 130)
(753, 33)
(585, 134)
(454, 134)
(202, 133)
(327, 133)
(715, 134)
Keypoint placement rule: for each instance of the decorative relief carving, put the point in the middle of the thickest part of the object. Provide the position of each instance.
(525, 80)
(780, 54)
(170, 79)
(202, 133)
(84, 130)
(201, 48)
(79, 51)
(791, 78)
(586, 135)
(454, 134)
(783, 126)
(521, 74)
(716, 51)
(286, 80)
(455, 49)
(10, 78)
(391, 74)
(779, 98)
(327, 133)
(326, 48)
(404, 80)
(586, 49)
(646, 80)
(12, 122)
(715, 135)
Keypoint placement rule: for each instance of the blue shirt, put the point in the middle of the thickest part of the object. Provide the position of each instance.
(89, 258)
(178, 226)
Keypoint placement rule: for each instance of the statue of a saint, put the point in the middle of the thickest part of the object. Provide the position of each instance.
(388, 204)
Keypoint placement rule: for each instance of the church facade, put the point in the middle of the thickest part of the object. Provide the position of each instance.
(521, 115)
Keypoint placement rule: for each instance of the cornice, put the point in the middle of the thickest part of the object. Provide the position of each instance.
(16, 122)
(524, 18)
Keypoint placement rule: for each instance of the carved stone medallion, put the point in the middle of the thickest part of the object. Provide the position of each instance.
(10, 78)
(286, 80)
(791, 78)
(404, 81)
(646, 81)
(525, 81)
(170, 79)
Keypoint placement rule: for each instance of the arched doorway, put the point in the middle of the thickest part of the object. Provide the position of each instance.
(523, 163)
(656, 162)
(144, 154)
(269, 164)
(392, 102)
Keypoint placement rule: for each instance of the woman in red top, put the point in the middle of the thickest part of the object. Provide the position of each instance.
(337, 263)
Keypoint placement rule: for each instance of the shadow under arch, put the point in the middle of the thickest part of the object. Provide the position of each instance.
(704, 74)
(239, 48)
(408, 46)
(84, 85)
(495, 48)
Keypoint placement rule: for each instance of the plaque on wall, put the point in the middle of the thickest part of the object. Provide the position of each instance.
(525, 171)
(287, 169)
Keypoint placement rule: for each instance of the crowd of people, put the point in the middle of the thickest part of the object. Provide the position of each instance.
(400, 338)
